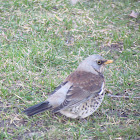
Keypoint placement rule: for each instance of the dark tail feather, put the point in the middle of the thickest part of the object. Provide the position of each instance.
(37, 108)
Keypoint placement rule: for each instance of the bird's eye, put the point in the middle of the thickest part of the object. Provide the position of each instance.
(99, 62)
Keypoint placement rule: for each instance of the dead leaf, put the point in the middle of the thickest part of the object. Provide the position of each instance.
(134, 14)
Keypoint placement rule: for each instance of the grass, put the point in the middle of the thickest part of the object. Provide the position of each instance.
(41, 42)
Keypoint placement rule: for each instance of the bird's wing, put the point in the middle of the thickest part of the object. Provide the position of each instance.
(57, 88)
(85, 85)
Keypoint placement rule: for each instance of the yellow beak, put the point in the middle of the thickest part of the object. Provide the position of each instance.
(108, 62)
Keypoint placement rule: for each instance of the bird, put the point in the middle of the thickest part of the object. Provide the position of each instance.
(80, 94)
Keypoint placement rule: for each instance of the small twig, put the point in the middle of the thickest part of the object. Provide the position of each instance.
(117, 96)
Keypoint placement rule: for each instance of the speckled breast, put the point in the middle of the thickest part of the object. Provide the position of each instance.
(85, 109)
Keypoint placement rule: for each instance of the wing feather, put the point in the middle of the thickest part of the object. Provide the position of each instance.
(85, 85)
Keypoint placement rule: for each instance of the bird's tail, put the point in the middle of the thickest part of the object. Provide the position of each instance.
(37, 108)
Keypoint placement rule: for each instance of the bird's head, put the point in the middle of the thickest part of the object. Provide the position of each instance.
(94, 63)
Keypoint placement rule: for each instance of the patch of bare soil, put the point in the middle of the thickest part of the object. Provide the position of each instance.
(114, 47)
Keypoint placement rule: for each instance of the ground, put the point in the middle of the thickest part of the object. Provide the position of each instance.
(43, 41)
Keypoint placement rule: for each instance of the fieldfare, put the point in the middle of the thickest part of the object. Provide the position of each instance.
(80, 94)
